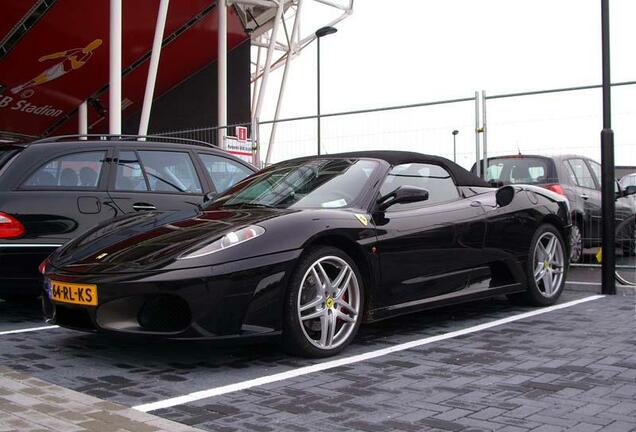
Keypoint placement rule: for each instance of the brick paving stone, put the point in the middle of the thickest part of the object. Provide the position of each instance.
(572, 369)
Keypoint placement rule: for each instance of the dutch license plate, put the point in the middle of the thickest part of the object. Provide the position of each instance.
(81, 294)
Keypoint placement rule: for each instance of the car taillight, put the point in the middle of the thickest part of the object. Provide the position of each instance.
(42, 267)
(557, 188)
(10, 227)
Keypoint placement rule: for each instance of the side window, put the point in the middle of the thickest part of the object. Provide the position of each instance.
(129, 175)
(582, 173)
(77, 170)
(596, 169)
(169, 171)
(570, 172)
(224, 172)
(494, 171)
(433, 178)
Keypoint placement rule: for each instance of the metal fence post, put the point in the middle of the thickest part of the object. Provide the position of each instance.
(477, 130)
(484, 129)
(256, 142)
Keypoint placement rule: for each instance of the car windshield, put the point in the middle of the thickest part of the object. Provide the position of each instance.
(515, 170)
(315, 183)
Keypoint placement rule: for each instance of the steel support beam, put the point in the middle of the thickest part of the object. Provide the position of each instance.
(222, 73)
(268, 60)
(153, 67)
(82, 120)
(281, 94)
(114, 92)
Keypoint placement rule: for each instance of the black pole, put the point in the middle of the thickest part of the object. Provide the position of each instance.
(454, 148)
(455, 132)
(607, 164)
(318, 96)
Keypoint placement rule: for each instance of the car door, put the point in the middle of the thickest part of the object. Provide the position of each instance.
(155, 179)
(624, 207)
(586, 189)
(65, 195)
(428, 248)
(222, 171)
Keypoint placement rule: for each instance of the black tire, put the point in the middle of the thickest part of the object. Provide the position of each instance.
(576, 251)
(626, 237)
(533, 294)
(294, 339)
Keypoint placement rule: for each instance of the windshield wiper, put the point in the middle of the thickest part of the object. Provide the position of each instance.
(247, 205)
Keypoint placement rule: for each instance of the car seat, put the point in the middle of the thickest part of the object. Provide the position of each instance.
(68, 178)
(88, 177)
(520, 172)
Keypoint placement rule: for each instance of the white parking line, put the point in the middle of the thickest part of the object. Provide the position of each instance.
(583, 283)
(27, 330)
(205, 394)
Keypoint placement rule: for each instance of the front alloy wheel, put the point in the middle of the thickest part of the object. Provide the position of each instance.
(325, 303)
(549, 264)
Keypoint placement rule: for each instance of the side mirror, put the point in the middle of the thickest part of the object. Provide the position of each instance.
(209, 196)
(504, 196)
(402, 195)
(629, 190)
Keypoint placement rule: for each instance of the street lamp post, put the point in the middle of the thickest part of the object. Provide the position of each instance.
(323, 31)
(607, 163)
(455, 132)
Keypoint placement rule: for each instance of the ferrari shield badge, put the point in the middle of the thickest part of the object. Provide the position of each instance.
(363, 219)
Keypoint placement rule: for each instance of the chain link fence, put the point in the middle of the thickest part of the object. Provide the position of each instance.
(479, 128)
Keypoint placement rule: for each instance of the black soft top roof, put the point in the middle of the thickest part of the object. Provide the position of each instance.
(461, 176)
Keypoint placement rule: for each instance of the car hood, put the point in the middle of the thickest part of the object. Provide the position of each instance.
(152, 240)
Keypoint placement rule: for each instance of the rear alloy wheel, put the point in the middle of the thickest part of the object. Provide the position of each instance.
(576, 244)
(324, 305)
(546, 268)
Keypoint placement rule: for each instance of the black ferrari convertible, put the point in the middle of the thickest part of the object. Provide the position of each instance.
(311, 248)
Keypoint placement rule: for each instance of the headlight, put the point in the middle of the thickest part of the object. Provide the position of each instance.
(227, 241)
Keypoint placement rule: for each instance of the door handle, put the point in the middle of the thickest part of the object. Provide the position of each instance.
(584, 196)
(143, 207)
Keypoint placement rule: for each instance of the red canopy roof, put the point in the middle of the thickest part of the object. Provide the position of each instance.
(62, 59)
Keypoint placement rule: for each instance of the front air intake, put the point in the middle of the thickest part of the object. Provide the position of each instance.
(166, 313)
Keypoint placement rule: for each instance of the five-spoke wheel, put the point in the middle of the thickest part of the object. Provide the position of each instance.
(549, 264)
(324, 305)
(546, 268)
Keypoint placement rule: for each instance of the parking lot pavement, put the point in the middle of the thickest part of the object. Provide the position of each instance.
(571, 368)
(29, 405)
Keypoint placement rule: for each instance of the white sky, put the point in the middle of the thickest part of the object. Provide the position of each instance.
(410, 51)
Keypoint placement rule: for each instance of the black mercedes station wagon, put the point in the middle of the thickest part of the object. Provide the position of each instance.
(53, 190)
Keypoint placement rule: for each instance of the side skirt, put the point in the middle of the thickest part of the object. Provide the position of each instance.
(440, 301)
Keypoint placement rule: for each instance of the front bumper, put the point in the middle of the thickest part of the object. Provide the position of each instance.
(234, 299)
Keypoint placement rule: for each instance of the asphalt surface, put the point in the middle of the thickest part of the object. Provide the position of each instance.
(567, 369)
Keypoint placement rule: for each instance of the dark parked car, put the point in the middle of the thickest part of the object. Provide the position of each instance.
(53, 190)
(311, 248)
(579, 179)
